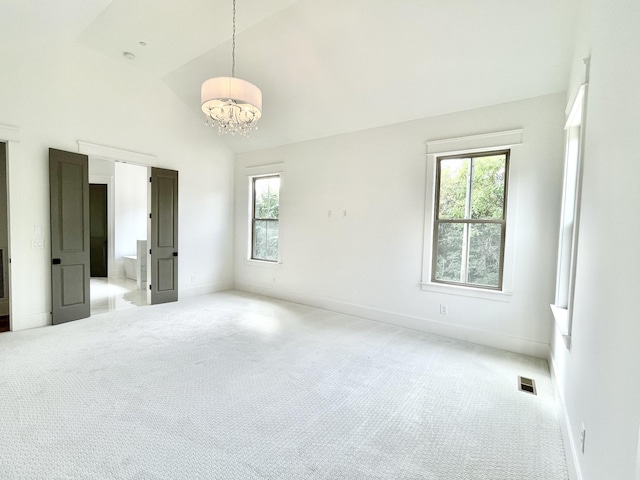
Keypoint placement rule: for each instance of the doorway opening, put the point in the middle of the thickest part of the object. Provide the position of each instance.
(5, 320)
(98, 227)
(118, 239)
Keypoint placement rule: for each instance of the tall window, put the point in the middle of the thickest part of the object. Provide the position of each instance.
(470, 219)
(568, 242)
(265, 218)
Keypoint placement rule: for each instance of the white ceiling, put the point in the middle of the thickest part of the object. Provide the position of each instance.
(328, 67)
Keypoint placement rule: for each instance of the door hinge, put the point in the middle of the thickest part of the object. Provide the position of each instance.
(149, 215)
(149, 287)
(150, 179)
(149, 251)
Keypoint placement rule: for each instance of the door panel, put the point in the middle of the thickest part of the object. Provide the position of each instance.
(69, 195)
(72, 275)
(166, 212)
(163, 238)
(165, 274)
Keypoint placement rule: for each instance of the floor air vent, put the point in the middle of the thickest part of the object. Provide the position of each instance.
(527, 385)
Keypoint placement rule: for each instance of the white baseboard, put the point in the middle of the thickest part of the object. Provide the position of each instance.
(204, 289)
(473, 335)
(25, 322)
(565, 425)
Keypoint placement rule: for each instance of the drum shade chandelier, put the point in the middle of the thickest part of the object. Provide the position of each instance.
(229, 103)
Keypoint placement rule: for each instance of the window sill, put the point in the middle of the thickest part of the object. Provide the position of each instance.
(561, 316)
(494, 295)
(263, 263)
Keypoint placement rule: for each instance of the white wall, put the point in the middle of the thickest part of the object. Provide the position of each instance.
(58, 93)
(369, 263)
(598, 377)
(130, 195)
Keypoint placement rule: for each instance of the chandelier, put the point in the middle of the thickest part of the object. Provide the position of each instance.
(229, 103)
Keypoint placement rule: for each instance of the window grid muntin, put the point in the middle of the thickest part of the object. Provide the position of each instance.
(468, 221)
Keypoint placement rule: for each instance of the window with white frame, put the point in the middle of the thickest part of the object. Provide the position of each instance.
(265, 217)
(567, 244)
(469, 225)
(468, 240)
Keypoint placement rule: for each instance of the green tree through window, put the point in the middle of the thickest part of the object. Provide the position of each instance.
(266, 215)
(470, 218)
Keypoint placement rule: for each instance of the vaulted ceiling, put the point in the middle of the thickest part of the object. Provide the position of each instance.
(327, 67)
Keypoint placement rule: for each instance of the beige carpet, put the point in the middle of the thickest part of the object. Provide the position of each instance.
(233, 386)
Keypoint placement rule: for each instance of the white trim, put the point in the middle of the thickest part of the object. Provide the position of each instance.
(574, 115)
(421, 324)
(570, 450)
(26, 322)
(471, 143)
(9, 133)
(264, 170)
(561, 315)
(638, 457)
(572, 97)
(457, 144)
(464, 291)
(576, 119)
(116, 154)
(262, 263)
(204, 289)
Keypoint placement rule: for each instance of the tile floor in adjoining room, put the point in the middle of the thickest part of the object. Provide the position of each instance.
(111, 294)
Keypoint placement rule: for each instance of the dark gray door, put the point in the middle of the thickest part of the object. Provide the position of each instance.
(163, 240)
(69, 189)
(98, 229)
(4, 242)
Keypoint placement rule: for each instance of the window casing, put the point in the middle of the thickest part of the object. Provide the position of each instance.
(570, 215)
(265, 218)
(469, 226)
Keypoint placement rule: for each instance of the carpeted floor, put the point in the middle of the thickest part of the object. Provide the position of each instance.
(234, 386)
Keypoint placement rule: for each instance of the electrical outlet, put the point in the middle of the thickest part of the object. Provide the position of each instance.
(444, 310)
(583, 435)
